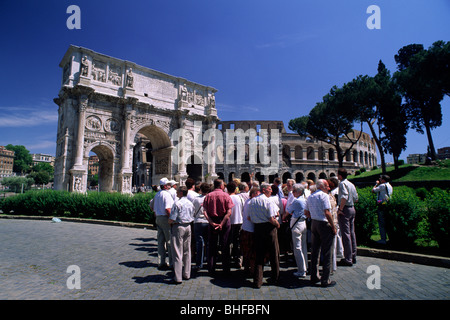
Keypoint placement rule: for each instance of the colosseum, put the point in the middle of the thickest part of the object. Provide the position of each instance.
(301, 157)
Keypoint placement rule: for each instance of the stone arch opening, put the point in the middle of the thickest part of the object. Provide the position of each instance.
(151, 155)
(287, 175)
(299, 177)
(194, 168)
(245, 177)
(311, 176)
(105, 166)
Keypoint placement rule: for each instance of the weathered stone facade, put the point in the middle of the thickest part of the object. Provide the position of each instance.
(300, 157)
(135, 119)
(107, 104)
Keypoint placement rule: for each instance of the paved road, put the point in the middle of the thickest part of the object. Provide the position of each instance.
(120, 263)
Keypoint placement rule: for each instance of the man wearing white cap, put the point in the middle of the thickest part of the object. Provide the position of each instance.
(161, 205)
(173, 189)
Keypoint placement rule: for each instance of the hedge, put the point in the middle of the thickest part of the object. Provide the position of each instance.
(411, 215)
(92, 205)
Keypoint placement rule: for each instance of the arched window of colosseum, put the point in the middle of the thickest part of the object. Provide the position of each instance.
(361, 157)
(298, 152)
(310, 153)
(331, 154)
(366, 158)
(348, 155)
(322, 175)
(355, 156)
(286, 175)
(287, 151)
(245, 177)
(299, 177)
(321, 154)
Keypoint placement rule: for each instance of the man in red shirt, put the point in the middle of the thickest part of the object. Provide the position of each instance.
(218, 206)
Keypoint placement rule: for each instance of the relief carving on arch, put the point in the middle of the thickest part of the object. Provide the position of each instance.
(93, 123)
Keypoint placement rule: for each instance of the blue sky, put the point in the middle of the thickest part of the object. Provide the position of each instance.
(269, 60)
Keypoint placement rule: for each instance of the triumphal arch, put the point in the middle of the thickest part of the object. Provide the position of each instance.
(117, 110)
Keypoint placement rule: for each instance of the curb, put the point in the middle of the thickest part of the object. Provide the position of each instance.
(81, 220)
(436, 261)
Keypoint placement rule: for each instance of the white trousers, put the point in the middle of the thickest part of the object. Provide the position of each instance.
(300, 246)
(181, 251)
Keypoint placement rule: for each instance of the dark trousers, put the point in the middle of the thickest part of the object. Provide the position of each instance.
(266, 241)
(347, 227)
(235, 241)
(321, 242)
(201, 242)
(216, 237)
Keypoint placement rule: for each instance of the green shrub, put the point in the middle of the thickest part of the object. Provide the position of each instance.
(403, 213)
(357, 172)
(92, 205)
(366, 215)
(422, 193)
(362, 169)
(437, 205)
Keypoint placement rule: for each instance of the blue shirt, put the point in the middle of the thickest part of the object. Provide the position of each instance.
(297, 208)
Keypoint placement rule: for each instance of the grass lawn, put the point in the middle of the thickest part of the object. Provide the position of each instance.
(408, 172)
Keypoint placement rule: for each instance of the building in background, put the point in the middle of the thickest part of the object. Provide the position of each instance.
(416, 158)
(41, 157)
(443, 153)
(299, 158)
(6, 162)
(93, 165)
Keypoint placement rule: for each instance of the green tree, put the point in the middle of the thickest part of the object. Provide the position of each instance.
(423, 76)
(40, 177)
(22, 158)
(363, 92)
(15, 183)
(393, 121)
(44, 166)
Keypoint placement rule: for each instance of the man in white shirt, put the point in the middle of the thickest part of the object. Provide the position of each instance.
(190, 185)
(201, 224)
(323, 231)
(236, 223)
(263, 213)
(173, 189)
(181, 216)
(161, 204)
(384, 190)
(347, 197)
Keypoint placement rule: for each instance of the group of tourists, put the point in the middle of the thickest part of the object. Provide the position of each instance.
(249, 225)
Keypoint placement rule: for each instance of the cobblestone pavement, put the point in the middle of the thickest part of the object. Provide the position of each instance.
(120, 263)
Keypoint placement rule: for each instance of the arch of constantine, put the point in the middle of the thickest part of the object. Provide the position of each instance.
(109, 107)
(135, 119)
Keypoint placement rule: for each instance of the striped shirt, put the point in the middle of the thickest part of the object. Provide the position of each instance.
(261, 209)
(182, 211)
(316, 204)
